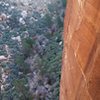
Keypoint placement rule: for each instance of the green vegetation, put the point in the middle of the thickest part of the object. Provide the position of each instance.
(64, 3)
(22, 89)
(37, 56)
(27, 45)
(22, 66)
(52, 63)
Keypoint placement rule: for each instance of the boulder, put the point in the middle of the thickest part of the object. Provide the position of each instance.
(3, 58)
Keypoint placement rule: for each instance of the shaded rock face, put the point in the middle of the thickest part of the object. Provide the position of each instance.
(80, 78)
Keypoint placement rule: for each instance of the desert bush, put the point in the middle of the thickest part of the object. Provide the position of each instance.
(64, 3)
(27, 46)
(22, 89)
(22, 66)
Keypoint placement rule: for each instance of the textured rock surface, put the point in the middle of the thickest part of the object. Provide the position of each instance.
(80, 78)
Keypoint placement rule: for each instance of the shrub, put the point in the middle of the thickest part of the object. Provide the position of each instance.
(22, 90)
(48, 20)
(51, 63)
(22, 66)
(27, 46)
(64, 3)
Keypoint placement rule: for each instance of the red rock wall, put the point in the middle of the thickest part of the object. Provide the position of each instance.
(80, 79)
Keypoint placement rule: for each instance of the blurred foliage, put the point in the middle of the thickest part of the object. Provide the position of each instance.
(22, 88)
(22, 66)
(64, 3)
(51, 60)
(27, 46)
(48, 20)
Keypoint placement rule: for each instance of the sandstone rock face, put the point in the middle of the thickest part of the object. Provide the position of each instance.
(80, 79)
